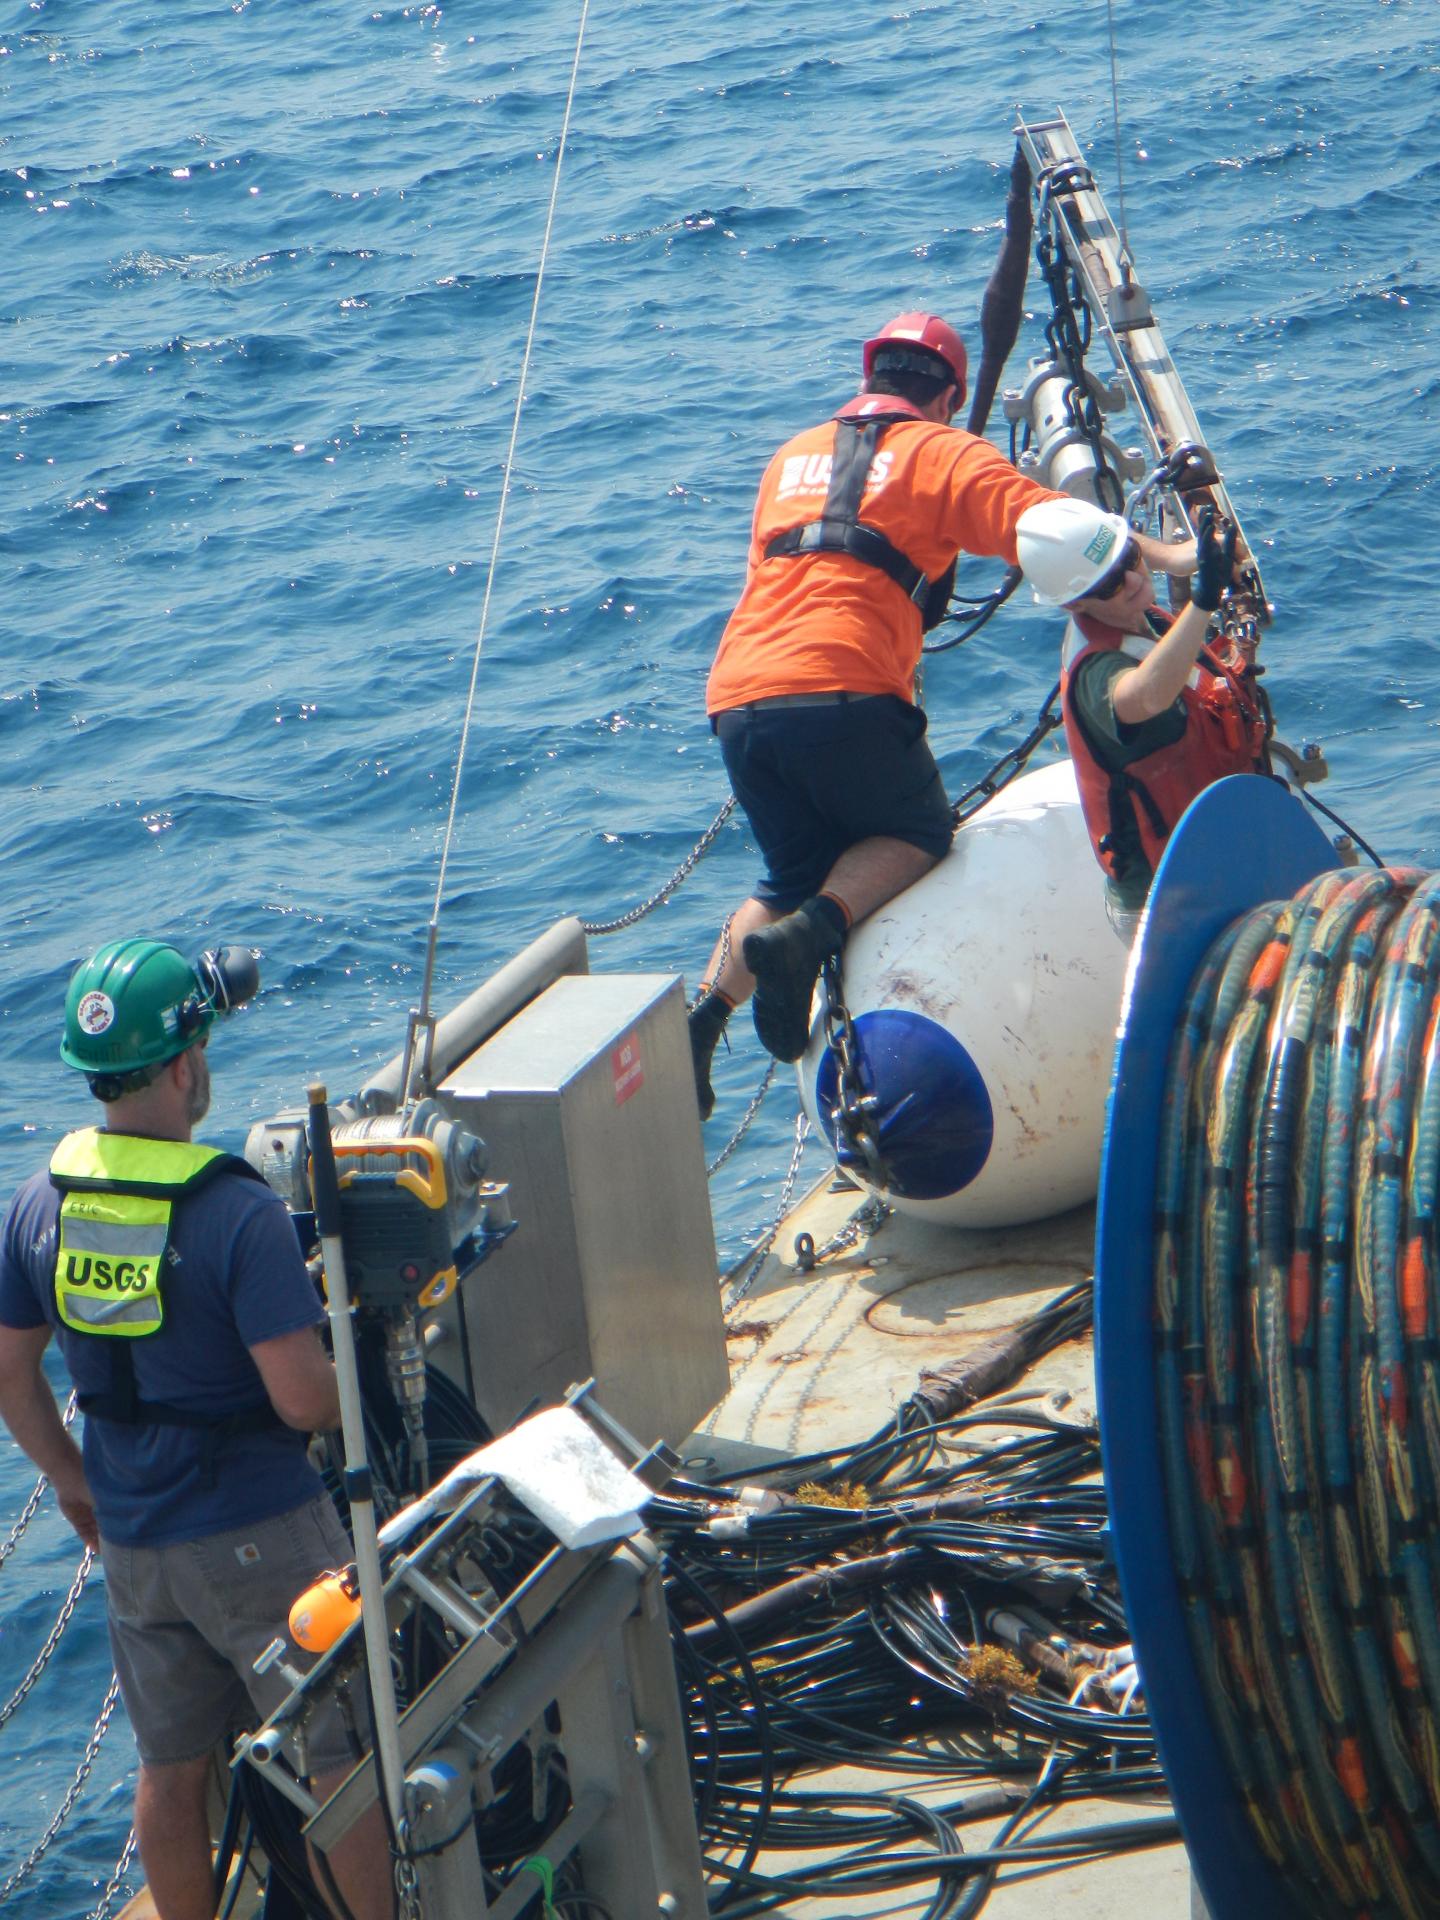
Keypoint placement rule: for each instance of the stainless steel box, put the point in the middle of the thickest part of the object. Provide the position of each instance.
(586, 1102)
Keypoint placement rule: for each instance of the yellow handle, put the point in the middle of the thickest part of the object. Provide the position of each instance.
(431, 1191)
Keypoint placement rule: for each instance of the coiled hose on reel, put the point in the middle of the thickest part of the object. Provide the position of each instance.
(1298, 1376)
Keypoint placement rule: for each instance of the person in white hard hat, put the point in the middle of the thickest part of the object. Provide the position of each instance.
(1152, 715)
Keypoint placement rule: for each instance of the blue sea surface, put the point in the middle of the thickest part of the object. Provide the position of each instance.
(268, 274)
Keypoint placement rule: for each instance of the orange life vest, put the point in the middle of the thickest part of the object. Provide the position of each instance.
(1226, 727)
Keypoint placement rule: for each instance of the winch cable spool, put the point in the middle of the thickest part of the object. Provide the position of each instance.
(1274, 1463)
(1312, 1042)
(421, 1026)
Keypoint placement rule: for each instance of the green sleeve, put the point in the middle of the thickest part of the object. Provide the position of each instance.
(1117, 743)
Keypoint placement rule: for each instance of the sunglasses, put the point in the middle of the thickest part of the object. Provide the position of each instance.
(1111, 581)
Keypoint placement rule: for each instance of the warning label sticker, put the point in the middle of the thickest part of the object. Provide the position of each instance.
(629, 1072)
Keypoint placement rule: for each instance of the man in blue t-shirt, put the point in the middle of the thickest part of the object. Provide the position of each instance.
(173, 1280)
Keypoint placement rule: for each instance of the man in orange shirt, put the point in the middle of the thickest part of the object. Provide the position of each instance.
(852, 556)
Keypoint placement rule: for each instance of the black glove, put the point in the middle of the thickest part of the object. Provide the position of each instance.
(1215, 568)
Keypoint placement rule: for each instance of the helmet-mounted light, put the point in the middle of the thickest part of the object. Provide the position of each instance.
(138, 1003)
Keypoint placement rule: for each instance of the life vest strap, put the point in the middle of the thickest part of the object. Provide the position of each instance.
(154, 1189)
(841, 530)
(160, 1413)
(123, 1405)
(862, 543)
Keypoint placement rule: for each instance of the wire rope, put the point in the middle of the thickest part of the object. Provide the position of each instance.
(1125, 256)
(506, 474)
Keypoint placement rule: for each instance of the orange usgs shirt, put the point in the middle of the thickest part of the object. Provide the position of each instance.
(824, 622)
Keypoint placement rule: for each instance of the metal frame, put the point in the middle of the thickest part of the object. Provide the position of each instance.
(587, 1633)
(1120, 309)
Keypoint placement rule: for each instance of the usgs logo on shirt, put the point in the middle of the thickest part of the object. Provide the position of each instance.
(803, 473)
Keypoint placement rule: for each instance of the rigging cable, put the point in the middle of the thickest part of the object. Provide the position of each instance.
(1126, 263)
(506, 472)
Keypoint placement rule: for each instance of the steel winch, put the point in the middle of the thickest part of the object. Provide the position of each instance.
(416, 1214)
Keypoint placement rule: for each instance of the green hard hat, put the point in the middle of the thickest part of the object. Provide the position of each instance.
(134, 1004)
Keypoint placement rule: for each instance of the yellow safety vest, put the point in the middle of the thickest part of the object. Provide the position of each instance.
(120, 1191)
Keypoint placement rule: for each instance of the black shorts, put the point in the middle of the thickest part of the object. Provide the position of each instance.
(815, 780)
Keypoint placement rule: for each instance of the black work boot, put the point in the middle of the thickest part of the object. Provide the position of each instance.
(786, 958)
(707, 1022)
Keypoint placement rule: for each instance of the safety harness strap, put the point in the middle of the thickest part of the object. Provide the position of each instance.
(1125, 789)
(841, 530)
(123, 1405)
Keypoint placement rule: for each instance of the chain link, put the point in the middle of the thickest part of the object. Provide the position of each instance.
(867, 1218)
(407, 1881)
(853, 1115)
(1068, 333)
(756, 1256)
(116, 1882)
(1010, 765)
(31, 1506)
(27, 1514)
(757, 1100)
(722, 960)
(52, 1639)
(62, 1813)
(682, 873)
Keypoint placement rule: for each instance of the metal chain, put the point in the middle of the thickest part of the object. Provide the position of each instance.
(848, 1323)
(757, 1100)
(32, 1505)
(867, 1218)
(62, 1813)
(1010, 765)
(722, 960)
(854, 1111)
(27, 1514)
(52, 1639)
(407, 1879)
(116, 1882)
(1068, 334)
(682, 873)
(756, 1257)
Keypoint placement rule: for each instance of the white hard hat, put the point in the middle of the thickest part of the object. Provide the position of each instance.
(1065, 546)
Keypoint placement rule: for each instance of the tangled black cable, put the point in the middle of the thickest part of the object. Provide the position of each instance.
(974, 612)
(934, 1602)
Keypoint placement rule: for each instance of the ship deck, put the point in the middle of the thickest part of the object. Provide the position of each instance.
(822, 1358)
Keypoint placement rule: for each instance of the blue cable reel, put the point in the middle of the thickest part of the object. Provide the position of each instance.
(1244, 841)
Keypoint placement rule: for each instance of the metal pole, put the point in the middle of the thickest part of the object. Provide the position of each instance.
(358, 1488)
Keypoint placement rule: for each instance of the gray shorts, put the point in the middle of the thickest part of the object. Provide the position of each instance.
(187, 1621)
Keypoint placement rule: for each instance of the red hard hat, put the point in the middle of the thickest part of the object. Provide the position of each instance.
(921, 330)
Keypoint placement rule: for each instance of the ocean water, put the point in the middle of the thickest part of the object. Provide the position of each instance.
(267, 277)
